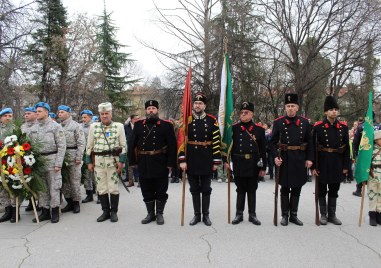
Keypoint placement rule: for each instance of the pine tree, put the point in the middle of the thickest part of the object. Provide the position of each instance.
(112, 61)
(49, 51)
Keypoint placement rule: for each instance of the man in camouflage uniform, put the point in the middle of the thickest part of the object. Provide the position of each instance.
(75, 147)
(30, 117)
(6, 127)
(89, 182)
(107, 141)
(52, 138)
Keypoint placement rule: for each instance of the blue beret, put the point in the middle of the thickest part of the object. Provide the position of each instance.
(64, 108)
(94, 118)
(52, 115)
(86, 112)
(43, 105)
(30, 109)
(6, 111)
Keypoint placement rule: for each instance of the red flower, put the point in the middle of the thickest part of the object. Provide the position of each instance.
(26, 146)
(3, 161)
(27, 170)
(10, 170)
(11, 151)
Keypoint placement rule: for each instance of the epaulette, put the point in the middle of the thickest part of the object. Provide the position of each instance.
(304, 118)
(168, 121)
(212, 116)
(279, 118)
(236, 123)
(318, 123)
(258, 125)
(344, 123)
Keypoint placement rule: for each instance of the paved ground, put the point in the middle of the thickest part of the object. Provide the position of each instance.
(79, 241)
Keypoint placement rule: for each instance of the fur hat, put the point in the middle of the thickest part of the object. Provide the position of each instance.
(151, 103)
(330, 103)
(105, 107)
(247, 106)
(200, 97)
(291, 98)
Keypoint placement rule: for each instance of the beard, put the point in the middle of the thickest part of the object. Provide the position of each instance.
(152, 117)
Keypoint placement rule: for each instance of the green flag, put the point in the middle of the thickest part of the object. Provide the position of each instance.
(365, 151)
(226, 110)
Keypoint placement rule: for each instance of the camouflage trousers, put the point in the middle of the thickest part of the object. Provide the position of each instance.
(53, 182)
(72, 187)
(5, 199)
(106, 178)
(89, 181)
(374, 193)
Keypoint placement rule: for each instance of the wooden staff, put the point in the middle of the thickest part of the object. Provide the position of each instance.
(183, 199)
(228, 174)
(34, 209)
(17, 209)
(362, 202)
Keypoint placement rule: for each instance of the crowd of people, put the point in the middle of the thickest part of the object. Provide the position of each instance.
(147, 149)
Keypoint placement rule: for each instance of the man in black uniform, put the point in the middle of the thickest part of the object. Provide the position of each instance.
(331, 140)
(292, 134)
(202, 157)
(249, 160)
(152, 147)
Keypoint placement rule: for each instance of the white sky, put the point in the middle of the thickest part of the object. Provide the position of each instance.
(135, 21)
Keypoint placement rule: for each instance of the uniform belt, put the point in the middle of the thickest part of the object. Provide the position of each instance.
(72, 148)
(115, 152)
(160, 151)
(339, 150)
(49, 153)
(246, 156)
(285, 147)
(200, 143)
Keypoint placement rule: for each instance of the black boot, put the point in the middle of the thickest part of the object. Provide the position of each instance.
(76, 207)
(13, 218)
(69, 206)
(196, 199)
(114, 199)
(378, 218)
(323, 210)
(98, 199)
(372, 218)
(44, 216)
(7, 214)
(332, 211)
(30, 206)
(151, 212)
(159, 212)
(294, 204)
(240, 206)
(251, 201)
(89, 196)
(285, 207)
(105, 204)
(55, 215)
(205, 209)
(358, 190)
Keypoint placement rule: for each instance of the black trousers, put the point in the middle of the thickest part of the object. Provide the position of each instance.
(154, 188)
(285, 191)
(332, 190)
(200, 184)
(246, 184)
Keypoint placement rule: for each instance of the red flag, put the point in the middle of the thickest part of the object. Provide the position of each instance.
(186, 116)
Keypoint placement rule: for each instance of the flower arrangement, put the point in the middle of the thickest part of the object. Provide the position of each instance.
(22, 166)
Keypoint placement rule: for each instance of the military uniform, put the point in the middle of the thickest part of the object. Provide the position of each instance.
(89, 181)
(374, 184)
(249, 149)
(108, 143)
(152, 146)
(5, 200)
(331, 145)
(294, 138)
(202, 153)
(52, 139)
(75, 147)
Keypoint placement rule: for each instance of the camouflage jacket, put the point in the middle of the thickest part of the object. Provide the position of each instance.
(75, 139)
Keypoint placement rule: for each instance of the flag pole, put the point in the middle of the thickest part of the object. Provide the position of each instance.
(183, 198)
(362, 202)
